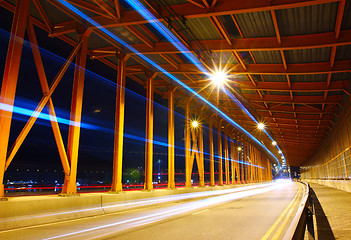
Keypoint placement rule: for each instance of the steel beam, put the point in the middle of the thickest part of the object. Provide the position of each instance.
(200, 165)
(233, 160)
(9, 81)
(188, 12)
(265, 69)
(45, 89)
(171, 141)
(220, 160)
(211, 151)
(309, 41)
(241, 158)
(40, 106)
(119, 125)
(226, 157)
(298, 86)
(333, 99)
(69, 186)
(149, 133)
(187, 145)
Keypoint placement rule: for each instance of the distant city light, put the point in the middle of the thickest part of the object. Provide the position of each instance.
(239, 149)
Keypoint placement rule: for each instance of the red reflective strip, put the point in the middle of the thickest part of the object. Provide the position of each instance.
(126, 187)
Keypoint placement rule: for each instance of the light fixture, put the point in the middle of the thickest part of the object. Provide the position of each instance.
(280, 151)
(282, 157)
(239, 148)
(260, 126)
(195, 124)
(274, 143)
(219, 78)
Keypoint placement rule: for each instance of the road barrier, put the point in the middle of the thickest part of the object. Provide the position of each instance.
(302, 218)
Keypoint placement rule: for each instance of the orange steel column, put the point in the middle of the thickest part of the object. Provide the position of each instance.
(45, 100)
(241, 156)
(9, 82)
(247, 160)
(257, 169)
(236, 159)
(210, 133)
(171, 180)
(149, 132)
(226, 157)
(237, 164)
(247, 151)
(269, 171)
(194, 149)
(256, 162)
(200, 166)
(247, 157)
(220, 163)
(187, 146)
(260, 170)
(119, 125)
(45, 89)
(251, 161)
(233, 163)
(69, 186)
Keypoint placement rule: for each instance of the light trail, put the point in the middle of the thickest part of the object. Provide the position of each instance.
(152, 63)
(26, 109)
(163, 213)
(144, 12)
(149, 201)
(43, 116)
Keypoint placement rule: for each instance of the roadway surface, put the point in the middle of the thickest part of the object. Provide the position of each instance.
(256, 212)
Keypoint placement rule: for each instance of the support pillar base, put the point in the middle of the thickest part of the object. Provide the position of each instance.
(2, 192)
(115, 191)
(69, 195)
(148, 190)
(117, 188)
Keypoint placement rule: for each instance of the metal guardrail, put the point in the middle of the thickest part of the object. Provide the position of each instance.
(302, 218)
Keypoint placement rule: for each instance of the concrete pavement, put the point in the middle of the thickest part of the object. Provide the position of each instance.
(332, 212)
(243, 214)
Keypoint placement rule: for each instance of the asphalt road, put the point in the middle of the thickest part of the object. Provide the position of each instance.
(247, 213)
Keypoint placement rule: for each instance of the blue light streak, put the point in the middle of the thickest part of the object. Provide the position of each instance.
(25, 108)
(167, 34)
(139, 7)
(47, 117)
(44, 116)
(152, 63)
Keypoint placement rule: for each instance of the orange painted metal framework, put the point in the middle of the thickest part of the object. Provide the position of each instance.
(298, 121)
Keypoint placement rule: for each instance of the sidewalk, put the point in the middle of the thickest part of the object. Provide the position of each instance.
(332, 212)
